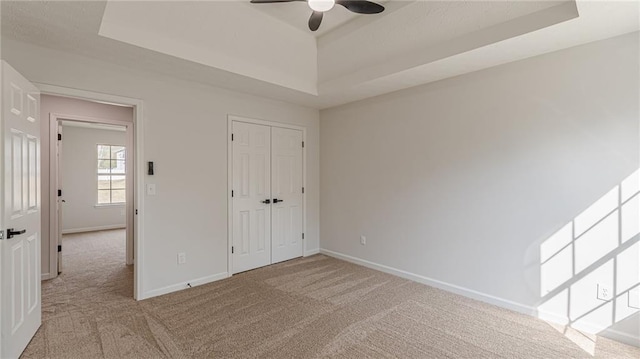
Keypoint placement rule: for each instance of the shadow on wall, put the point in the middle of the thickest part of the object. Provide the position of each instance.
(590, 269)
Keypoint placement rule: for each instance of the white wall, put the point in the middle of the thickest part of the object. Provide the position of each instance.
(66, 106)
(79, 180)
(185, 127)
(459, 183)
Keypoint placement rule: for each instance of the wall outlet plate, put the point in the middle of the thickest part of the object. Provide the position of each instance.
(604, 292)
(182, 258)
(363, 240)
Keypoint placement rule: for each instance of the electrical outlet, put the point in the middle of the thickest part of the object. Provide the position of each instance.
(363, 240)
(604, 292)
(182, 258)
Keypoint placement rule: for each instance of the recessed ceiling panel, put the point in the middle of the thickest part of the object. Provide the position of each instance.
(231, 36)
(426, 31)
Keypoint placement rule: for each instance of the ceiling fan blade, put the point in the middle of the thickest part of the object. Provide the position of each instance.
(361, 6)
(315, 20)
(271, 1)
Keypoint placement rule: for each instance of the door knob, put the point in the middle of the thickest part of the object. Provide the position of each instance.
(275, 200)
(11, 233)
(266, 201)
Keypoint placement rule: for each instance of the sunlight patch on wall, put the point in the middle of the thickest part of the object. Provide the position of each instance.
(590, 268)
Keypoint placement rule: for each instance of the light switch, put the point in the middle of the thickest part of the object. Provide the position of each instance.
(151, 189)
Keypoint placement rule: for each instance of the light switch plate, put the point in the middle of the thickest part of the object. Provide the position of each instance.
(151, 189)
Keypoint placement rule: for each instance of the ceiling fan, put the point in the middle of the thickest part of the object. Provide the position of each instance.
(319, 7)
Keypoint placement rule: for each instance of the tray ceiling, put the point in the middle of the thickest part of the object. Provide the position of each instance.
(268, 51)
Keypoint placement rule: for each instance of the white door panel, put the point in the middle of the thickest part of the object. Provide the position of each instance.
(287, 194)
(251, 185)
(267, 167)
(20, 316)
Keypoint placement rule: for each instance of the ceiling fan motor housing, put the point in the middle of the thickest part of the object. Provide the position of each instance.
(321, 6)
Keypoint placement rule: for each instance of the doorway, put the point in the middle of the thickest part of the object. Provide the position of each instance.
(92, 185)
(93, 189)
(266, 161)
(137, 161)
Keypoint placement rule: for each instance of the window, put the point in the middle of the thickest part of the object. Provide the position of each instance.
(111, 174)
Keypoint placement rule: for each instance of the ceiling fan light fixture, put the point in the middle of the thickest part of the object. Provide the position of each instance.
(321, 5)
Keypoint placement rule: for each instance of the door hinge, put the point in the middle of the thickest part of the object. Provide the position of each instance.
(302, 235)
(232, 137)
(231, 193)
(302, 144)
(136, 211)
(231, 249)
(59, 193)
(59, 137)
(60, 248)
(302, 189)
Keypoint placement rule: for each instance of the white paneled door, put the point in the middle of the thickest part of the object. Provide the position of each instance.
(251, 196)
(286, 191)
(20, 316)
(266, 195)
(59, 200)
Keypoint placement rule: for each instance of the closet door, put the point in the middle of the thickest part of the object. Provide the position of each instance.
(251, 196)
(286, 193)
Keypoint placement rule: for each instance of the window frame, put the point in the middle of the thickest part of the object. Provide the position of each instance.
(110, 175)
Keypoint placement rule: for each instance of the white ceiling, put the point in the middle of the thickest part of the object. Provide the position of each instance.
(267, 50)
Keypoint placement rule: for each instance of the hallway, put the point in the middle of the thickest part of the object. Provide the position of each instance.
(93, 264)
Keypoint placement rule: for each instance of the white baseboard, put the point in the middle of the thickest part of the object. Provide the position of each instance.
(473, 294)
(620, 337)
(46, 276)
(183, 285)
(93, 229)
(311, 252)
(470, 293)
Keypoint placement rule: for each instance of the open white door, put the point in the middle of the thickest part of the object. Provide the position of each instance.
(20, 315)
(59, 201)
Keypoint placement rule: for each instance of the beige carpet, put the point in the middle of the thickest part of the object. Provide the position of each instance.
(305, 308)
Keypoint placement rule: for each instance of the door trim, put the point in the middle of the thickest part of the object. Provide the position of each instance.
(230, 119)
(138, 172)
(54, 119)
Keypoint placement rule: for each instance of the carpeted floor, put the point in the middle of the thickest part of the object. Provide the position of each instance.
(305, 308)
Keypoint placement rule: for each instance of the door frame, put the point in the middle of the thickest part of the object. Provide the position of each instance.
(230, 120)
(54, 119)
(137, 193)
